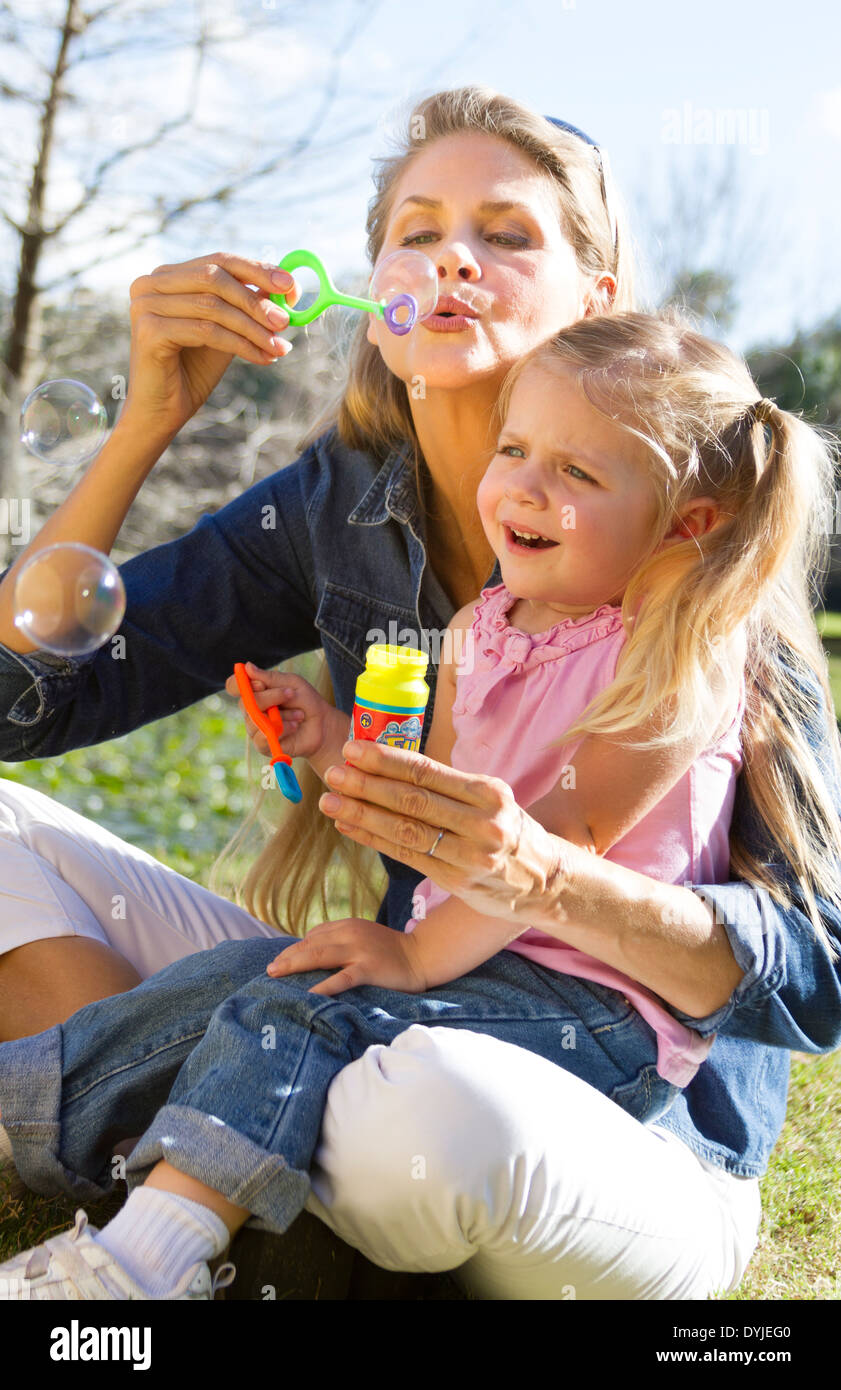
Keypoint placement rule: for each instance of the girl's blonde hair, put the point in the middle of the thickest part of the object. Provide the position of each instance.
(749, 585)
(371, 413)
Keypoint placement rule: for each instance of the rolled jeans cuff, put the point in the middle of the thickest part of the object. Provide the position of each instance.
(208, 1149)
(30, 1111)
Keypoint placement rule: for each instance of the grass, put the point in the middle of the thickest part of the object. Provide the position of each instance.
(828, 624)
(179, 789)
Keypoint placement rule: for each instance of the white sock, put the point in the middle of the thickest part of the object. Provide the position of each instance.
(5, 1146)
(157, 1236)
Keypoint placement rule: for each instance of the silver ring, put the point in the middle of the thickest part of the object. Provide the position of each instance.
(437, 842)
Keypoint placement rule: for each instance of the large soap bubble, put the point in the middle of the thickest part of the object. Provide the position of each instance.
(63, 422)
(406, 282)
(69, 599)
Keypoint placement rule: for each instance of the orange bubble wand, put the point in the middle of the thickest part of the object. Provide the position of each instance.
(270, 723)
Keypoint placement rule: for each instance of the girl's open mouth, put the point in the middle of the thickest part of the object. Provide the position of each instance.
(522, 541)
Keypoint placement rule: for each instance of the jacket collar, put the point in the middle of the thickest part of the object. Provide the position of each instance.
(392, 493)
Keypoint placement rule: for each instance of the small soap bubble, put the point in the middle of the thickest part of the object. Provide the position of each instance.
(69, 599)
(406, 273)
(63, 422)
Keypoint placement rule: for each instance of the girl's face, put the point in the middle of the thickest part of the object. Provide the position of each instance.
(565, 473)
(489, 221)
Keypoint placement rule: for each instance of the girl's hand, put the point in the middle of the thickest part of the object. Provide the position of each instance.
(187, 322)
(307, 717)
(492, 855)
(367, 952)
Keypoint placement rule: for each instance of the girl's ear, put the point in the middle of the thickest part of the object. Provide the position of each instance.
(700, 516)
(370, 334)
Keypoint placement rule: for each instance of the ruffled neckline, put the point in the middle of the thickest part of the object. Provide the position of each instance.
(498, 637)
(502, 650)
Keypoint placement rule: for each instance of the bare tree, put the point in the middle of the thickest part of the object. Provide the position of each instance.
(91, 105)
(706, 241)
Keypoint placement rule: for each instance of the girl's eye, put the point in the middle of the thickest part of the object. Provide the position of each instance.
(514, 450)
(504, 238)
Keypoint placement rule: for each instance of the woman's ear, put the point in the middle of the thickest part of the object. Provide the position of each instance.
(600, 297)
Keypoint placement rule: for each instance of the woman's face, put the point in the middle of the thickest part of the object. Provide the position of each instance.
(489, 221)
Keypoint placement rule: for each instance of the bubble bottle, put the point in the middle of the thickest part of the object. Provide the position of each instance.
(391, 696)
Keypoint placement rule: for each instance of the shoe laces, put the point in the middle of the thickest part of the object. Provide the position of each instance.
(224, 1276)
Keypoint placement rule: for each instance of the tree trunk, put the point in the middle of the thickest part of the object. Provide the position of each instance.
(34, 232)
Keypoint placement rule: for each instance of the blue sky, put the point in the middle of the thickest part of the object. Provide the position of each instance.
(635, 75)
(651, 80)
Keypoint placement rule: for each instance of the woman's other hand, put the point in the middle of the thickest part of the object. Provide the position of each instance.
(187, 323)
(492, 855)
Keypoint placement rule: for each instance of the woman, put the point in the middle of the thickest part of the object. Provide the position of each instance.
(679, 1218)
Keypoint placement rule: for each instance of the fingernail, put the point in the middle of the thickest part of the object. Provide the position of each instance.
(335, 776)
(329, 803)
(276, 317)
(279, 343)
(283, 279)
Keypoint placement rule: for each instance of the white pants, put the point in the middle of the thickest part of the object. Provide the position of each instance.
(523, 1180)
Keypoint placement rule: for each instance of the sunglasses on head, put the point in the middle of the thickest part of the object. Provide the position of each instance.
(601, 156)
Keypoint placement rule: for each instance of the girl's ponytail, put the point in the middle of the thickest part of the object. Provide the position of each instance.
(737, 599)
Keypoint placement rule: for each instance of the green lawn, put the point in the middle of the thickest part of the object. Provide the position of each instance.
(179, 789)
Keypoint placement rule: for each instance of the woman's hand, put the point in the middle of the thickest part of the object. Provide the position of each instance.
(491, 855)
(309, 721)
(367, 952)
(187, 322)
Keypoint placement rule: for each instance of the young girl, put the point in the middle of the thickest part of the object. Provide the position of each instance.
(652, 537)
(656, 524)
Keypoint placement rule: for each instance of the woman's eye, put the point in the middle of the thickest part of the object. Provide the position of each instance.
(504, 238)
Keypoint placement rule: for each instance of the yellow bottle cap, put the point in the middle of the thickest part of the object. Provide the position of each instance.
(386, 656)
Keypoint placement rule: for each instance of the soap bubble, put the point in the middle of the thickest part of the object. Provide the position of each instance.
(63, 422)
(69, 599)
(401, 278)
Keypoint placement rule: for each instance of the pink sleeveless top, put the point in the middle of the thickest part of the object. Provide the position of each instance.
(524, 690)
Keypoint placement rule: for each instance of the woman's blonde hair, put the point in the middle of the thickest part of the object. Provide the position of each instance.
(371, 412)
(749, 585)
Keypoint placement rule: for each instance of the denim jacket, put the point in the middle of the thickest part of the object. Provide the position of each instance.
(327, 553)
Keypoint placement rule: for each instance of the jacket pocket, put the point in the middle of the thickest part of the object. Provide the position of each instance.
(352, 621)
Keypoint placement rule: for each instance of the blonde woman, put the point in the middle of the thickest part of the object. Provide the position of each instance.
(377, 520)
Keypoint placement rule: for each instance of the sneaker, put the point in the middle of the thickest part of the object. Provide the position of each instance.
(73, 1266)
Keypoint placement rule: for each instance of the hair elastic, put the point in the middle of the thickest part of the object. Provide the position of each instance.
(762, 410)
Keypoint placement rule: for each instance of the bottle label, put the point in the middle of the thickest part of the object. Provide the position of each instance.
(400, 728)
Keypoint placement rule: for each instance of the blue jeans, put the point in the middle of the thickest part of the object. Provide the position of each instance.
(224, 1071)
